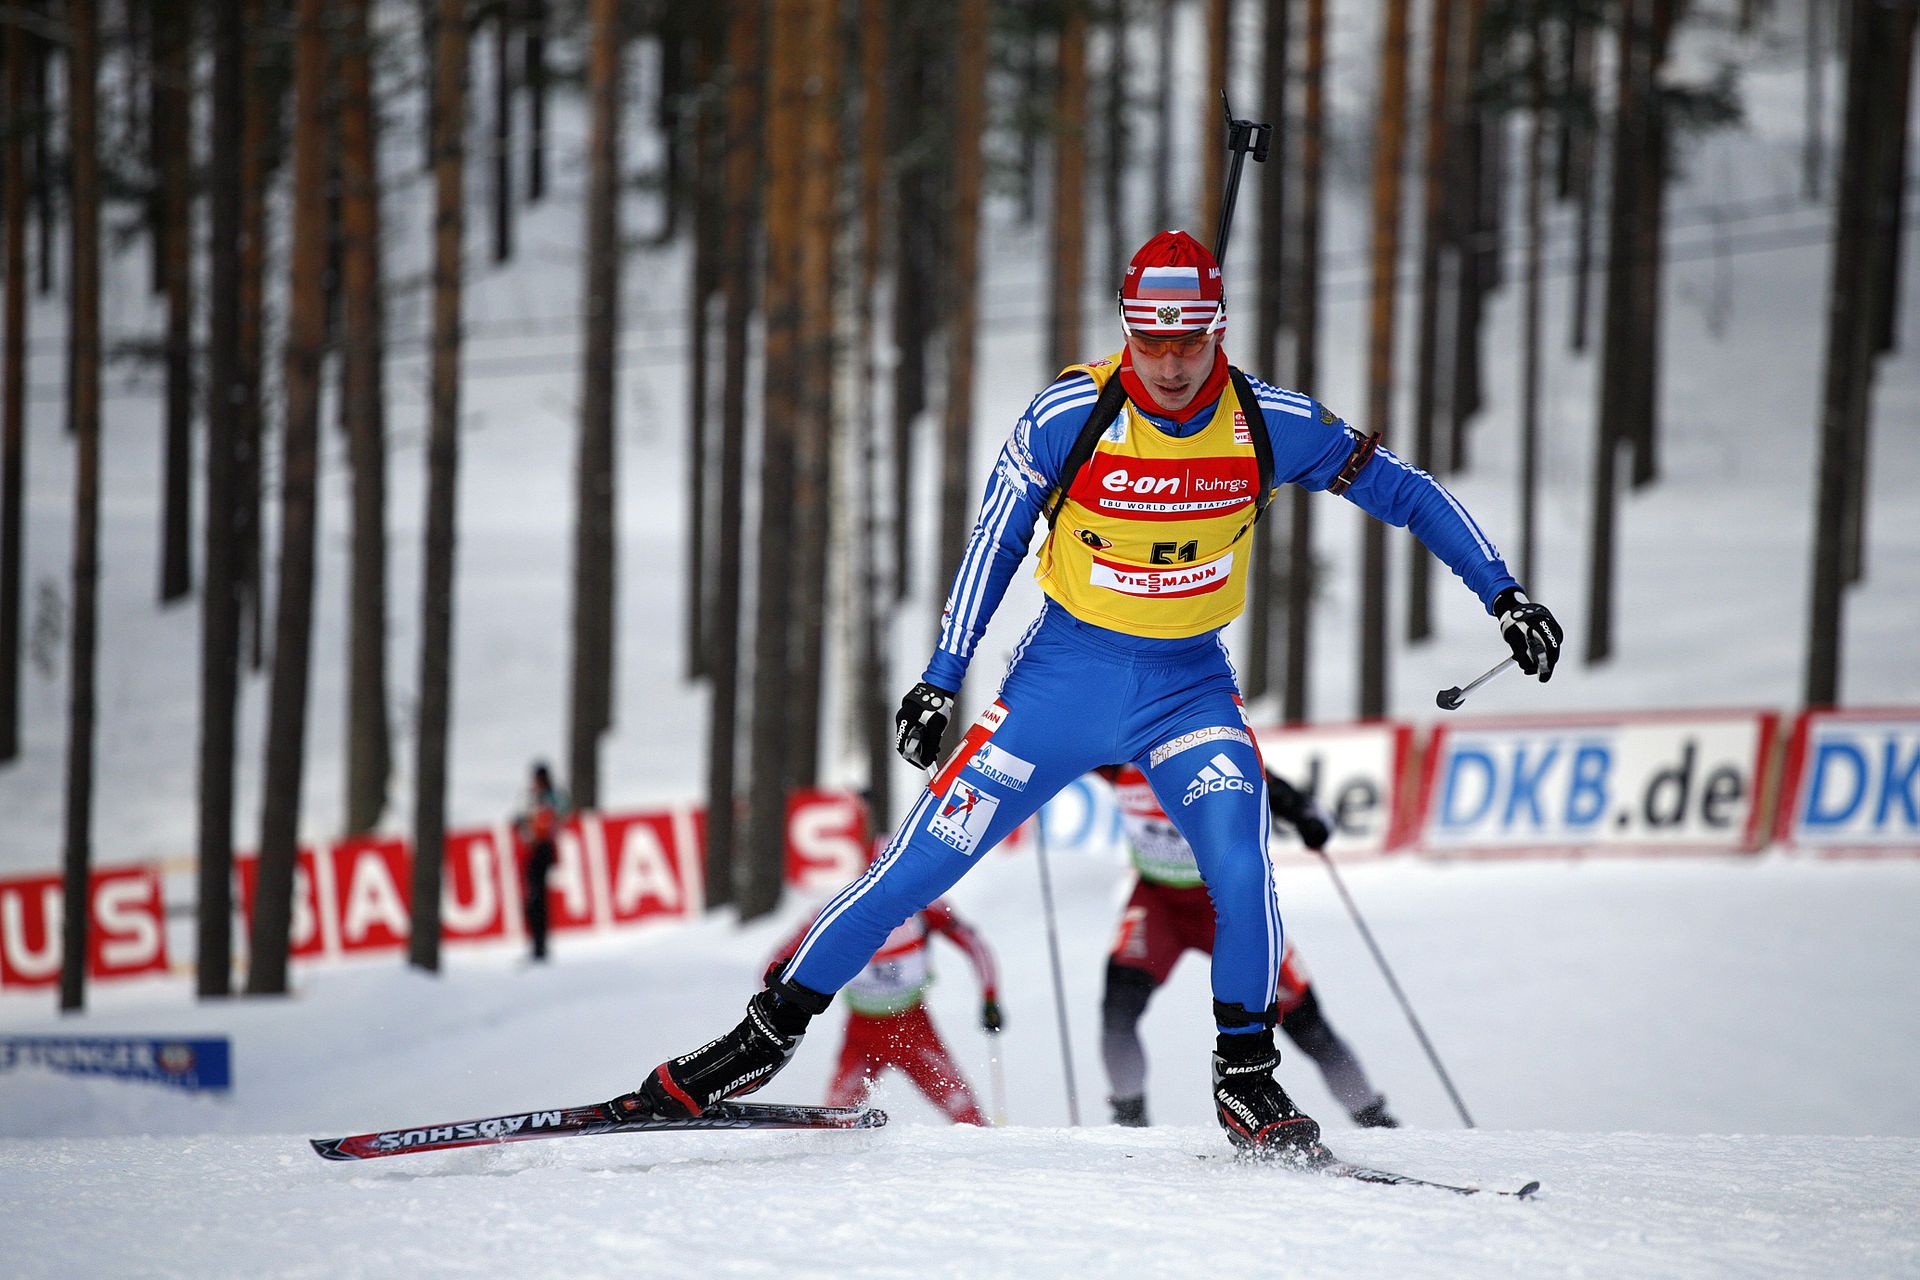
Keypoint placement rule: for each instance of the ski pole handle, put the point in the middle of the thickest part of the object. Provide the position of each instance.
(1450, 699)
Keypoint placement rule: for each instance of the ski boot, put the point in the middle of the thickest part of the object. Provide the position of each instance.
(1375, 1116)
(1129, 1113)
(737, 1063)
(1255, 1111)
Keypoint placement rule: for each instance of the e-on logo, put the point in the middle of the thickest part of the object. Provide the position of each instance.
(1216, 775)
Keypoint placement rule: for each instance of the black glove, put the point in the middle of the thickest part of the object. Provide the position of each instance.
(990, 1015)
(1297, 811)
(920, 723)
(1530, 632)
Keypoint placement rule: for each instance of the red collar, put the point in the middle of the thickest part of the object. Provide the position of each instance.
(1208, 393)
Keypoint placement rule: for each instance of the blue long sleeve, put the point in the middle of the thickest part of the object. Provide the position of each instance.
(1029, 464)
(1311, 444)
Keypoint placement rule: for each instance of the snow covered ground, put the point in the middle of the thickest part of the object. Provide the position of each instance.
(1708, 1064)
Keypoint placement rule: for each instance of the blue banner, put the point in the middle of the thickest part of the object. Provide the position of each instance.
(197, 1064)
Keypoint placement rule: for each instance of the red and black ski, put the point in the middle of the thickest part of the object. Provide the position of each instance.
(582, 1122)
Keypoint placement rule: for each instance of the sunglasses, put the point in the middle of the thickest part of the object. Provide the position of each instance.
(1185, 345)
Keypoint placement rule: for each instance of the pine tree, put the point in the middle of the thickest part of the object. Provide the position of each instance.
(13, 386)
(591, 702)
(443, 462)
(1389, 131)
(83, 398)
(1300, 566)
(221, 591)
(363, 415)
(293, 608)
(173, 23)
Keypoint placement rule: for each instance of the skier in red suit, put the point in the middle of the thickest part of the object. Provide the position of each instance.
(887, 1020)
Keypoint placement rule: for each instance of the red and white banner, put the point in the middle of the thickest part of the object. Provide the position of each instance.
(1852, 782)
(1653, 782)
(127, 936)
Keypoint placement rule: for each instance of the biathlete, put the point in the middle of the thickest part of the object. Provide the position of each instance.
(1149, 467)
(887, 1021)
(1168, 914)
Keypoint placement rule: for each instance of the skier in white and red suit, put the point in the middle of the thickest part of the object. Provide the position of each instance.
(887, 1020)
(1168, 914)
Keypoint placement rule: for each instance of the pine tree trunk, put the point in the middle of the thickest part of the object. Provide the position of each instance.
(873, 687)
(173, 95)
(502, 167)
(1163, 119)
(40, 104)
(1068, 232)
(1530, 323)
(443, 461)
(925, 90)
(1268, 318)
(1117, 135)
(594, 541)
(758, 881)
(1893, 203)
(293, 608)
(1442, 109)
(1813, 147)
(969, 119)
(1867, 141)
(737, 268)
(13, 388)
(1389, 133)
(1616, 372)
(261, 124)
(707, 223)
(1213, 156)
(83, 397)
(1295, 702)
(816, 432)
(363, 414)
(1643, 415)
(535, 17)
(221, 592)
(1585, 163)
(1467, 290)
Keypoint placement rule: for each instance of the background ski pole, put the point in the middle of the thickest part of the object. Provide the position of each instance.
(1398, 994)
(1448, 699)
(999, 1077)
(1053, 954)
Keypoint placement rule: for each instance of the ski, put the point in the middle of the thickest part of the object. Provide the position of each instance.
(1326, 1164)
(587, 1121)
(1333, 1167)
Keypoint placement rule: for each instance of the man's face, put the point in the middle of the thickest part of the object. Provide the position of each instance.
(1173, 368)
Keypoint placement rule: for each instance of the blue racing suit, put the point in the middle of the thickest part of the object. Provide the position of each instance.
(1077, 696)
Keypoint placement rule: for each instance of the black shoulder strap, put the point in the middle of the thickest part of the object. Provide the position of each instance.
(1262, 442)
(1113, 397)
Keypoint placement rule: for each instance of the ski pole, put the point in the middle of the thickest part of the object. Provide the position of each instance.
(999, 1075)
(1244, 137)
(1053, 954)
(1398, 994)
(1449, 699)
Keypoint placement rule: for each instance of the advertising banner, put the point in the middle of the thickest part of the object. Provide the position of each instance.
(1648, 782)
(198, 1064)
(1352, 771)
(1852, 782)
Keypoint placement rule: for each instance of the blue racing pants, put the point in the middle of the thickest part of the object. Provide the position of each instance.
(1077, 696)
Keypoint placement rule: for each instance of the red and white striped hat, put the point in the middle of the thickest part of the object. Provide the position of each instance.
(1172, 287)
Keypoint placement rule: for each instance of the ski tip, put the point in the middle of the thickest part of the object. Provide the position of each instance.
(329, 1148)
(1527, 1192)
(872, 1118)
